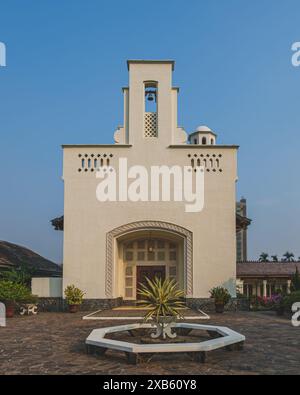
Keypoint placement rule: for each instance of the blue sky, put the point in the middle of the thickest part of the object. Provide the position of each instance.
(65, 68)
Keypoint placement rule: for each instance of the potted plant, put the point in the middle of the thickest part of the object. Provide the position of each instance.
(163, 298)
(221, 297)
(11, 293)
(74, 297)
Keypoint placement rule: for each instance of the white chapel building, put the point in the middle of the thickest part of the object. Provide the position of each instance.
(111, 246)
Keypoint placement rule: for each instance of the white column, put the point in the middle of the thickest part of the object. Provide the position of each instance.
(258, 289)
(240, 285)
(265, 288)
(289, 286)
(254, 289)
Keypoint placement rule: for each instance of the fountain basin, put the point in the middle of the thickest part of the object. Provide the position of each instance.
(221, 337)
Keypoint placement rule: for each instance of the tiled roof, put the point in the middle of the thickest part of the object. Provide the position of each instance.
(13, 256)
(266, 269)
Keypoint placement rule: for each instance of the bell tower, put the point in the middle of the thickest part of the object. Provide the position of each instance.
(150, 106)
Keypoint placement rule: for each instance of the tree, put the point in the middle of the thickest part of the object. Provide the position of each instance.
(274, 258)
(288, 257)
(295, 284)
(264, 257)
(20, 275)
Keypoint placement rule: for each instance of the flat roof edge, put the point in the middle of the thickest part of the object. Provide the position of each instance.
(140, 61)
(190, 146)
(96, 145)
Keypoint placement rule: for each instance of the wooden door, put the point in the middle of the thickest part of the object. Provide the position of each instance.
(150, 272)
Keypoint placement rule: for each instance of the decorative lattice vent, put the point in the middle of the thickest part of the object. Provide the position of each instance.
(150, 128)
(210, 162)
(91, 162)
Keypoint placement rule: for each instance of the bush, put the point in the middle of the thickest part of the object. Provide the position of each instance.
(73, 295)
(273, 302)
(220, 294)
(15, 292)
(21, 275)
(290, 299)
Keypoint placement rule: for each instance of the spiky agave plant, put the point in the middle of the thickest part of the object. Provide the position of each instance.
(163, 298)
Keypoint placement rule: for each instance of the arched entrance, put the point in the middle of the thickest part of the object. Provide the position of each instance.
(145, 249)
(148, 254)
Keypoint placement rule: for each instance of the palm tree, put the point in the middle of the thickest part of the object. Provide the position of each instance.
(288, 257)
(274, 258)
(264, 257)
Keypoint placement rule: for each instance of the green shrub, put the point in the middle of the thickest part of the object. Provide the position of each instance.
(295, 285)
(73, 295)
(290, 299)
(220, 294)
(21, 275)
(11, 291)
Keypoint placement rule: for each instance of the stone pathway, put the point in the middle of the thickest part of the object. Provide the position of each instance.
(53, 343)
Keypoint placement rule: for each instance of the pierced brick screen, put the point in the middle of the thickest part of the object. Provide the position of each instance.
(150, 127)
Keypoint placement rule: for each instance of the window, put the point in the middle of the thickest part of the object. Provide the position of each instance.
(160, 244)
(172, 271)
(128, 252)
(151, 256)
(204, 140)
(141, 244)
(172, 256)
(141, 255)
(129, 282)
(161, 256)
(128, 255)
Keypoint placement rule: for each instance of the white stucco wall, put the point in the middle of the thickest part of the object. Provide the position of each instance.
(87, 221)
(47, 287)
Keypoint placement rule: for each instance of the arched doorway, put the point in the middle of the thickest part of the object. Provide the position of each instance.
(149, 255)
(147, 248)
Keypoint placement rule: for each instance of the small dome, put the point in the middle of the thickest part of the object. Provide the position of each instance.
(203, 128)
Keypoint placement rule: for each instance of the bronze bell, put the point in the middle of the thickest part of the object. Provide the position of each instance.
(150, 95)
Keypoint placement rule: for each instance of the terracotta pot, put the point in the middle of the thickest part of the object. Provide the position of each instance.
(219, 307)
(73, 308)
(10, 308)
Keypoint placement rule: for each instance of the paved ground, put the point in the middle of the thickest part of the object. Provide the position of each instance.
(53, 343)
(139, 313)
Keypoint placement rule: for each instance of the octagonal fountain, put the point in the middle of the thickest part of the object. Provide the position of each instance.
(166, 333)
(136, 342)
